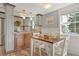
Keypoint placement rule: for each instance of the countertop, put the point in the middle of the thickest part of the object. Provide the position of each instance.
(50, 40)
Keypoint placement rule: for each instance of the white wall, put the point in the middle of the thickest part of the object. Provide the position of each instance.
(50, 31)
(74, 45)
(52, 28)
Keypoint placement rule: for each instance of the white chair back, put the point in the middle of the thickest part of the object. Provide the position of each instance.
(60, 48)
(65, 48)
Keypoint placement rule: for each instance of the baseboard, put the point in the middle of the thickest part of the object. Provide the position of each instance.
(11, 51)
(74, 51)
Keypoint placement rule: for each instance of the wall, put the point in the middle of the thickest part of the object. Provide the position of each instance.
(51, 28)
(74, 45)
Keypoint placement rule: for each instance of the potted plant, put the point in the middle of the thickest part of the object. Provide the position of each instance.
(18, 24)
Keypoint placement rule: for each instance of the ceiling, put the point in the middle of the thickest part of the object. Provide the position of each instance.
(36, 8)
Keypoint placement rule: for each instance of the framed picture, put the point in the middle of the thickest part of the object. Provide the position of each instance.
(49, 20)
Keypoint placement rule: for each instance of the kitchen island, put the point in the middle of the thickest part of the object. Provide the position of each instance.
(48, 44)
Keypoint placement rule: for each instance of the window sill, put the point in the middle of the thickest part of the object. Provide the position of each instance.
(70, 34)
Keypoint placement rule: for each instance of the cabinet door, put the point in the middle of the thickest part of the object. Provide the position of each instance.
(27, 40)
(18, 41)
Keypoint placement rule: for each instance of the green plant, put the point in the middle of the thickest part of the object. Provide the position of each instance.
(17, 23)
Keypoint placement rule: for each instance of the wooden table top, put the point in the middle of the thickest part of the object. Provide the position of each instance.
(50, 40)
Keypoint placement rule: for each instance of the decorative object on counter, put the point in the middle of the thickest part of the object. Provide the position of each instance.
(37, 29)
(18, 24)
(54, 36)
(46, 37)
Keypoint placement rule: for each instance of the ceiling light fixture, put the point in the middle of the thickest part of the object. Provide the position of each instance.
(46, 6)
(30, 18)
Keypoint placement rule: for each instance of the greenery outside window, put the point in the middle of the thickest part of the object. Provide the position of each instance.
(69, 23)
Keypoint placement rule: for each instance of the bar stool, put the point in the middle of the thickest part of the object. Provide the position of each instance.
(60, 48)
(66, 46)
(41, 45)
(35, 46)
(46, 48)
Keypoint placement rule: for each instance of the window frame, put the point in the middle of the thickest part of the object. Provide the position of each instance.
(66, 23)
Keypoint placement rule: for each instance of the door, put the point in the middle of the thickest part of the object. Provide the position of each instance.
(27, 39)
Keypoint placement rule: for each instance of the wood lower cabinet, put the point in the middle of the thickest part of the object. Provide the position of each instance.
(22, 40)
(18, 41)
(27, 40)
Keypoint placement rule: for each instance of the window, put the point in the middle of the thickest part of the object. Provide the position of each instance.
(33, 24)
(69, 24)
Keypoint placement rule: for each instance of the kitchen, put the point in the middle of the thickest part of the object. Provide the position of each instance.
(22, 27)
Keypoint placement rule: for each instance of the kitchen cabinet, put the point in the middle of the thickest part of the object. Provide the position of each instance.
(22, 40)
